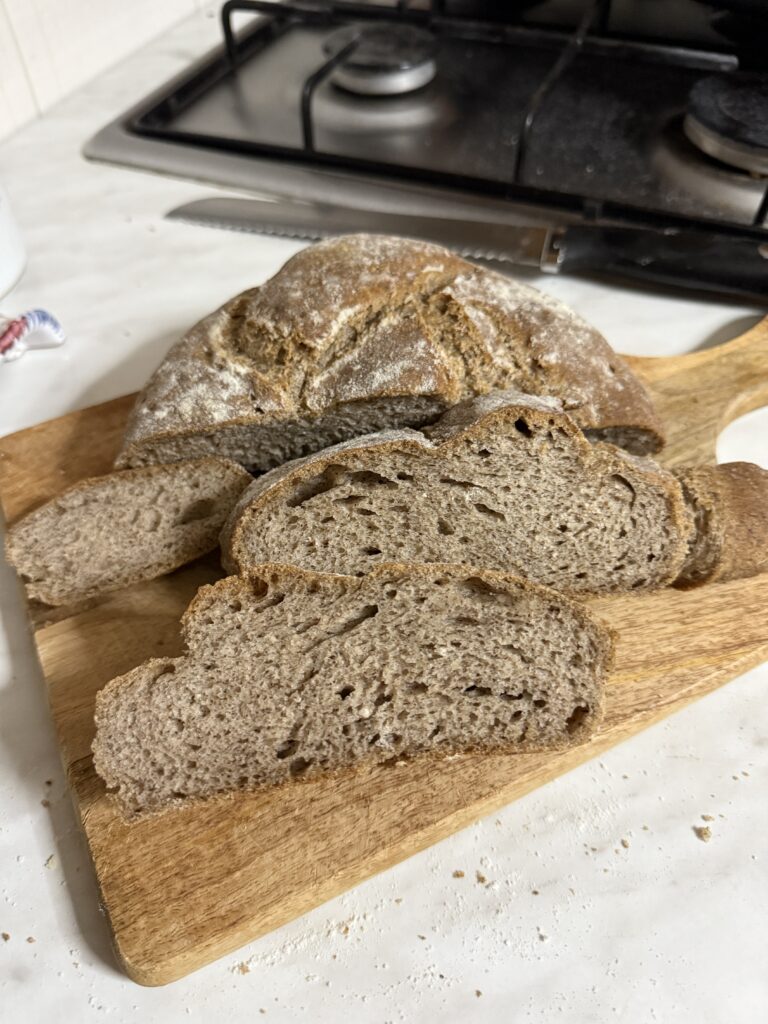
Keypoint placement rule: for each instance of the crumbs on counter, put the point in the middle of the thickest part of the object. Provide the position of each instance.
(243, 968)
(480, 877)
(458, 873)
(31, 939)
(45, 803)
(478, 993)
(6, 937)
(707, 817)
(703, 832)
(625, 843)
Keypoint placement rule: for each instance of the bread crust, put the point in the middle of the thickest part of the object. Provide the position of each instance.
(473, 418)
(369, 319)
(731, 502)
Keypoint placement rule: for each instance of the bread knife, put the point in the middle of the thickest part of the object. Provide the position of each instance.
(689, 259)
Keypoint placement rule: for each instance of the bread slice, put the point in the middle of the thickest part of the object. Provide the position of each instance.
(729, 503)
(506, 481)
(109, 531)
(366, 333)
(290, 673)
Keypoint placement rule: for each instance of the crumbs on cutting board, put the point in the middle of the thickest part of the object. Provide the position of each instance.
(703, 832)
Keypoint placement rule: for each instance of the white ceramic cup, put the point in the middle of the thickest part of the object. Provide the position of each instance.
(12, 255)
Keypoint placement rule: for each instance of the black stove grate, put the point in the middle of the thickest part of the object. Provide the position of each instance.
(526, 116)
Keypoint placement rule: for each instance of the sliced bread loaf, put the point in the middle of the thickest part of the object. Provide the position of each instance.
(506, 481)
(109, 531)
(365, 333)
(729, 503)
(291, 673)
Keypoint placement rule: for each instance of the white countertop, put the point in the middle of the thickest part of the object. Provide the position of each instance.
(571, 923)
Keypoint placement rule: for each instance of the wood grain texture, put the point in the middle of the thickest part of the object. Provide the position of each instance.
(182, 889)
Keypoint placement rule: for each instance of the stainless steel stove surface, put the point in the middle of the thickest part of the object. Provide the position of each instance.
(589, 111)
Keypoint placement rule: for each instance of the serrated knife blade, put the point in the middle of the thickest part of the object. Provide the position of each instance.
(526, 245)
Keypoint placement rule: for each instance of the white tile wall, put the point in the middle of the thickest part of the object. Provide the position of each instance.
(49, 47)
(17, 103)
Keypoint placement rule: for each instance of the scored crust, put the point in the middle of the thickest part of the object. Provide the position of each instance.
(365, 332)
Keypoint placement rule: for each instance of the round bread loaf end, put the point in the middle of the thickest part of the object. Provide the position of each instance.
(366, 333)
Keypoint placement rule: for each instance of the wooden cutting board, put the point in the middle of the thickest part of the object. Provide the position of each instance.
(186, 888)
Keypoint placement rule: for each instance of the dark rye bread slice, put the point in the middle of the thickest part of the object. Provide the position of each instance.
(506, 481)
(109, 531)
(729, 503)
(368, 332)
(289, 674)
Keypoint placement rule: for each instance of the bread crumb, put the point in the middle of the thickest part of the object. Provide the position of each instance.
(262, 1010)
(735, 778)
(646, 829)
(243, 968)
(45, 803)
(423, 937)
(30, 939)
(6, 936)
(625, 843)
(478, 993)
(542, 936)
(345, 930)
(49, 782)
(458, 874)
(745, 774)
(480, 877)
(707, 817)
(51, 862)
(703, 832)
(534, 892)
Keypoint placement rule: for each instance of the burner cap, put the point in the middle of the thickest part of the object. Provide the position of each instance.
(389, 60)
(728, 119)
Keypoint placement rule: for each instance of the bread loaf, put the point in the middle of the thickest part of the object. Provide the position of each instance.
(365, 333)
(107, 532)
(289, 674)
(506, 481)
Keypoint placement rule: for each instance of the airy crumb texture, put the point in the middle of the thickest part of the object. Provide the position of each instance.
(366, 333)
(109, 531)
(292, 673)
(506, 481)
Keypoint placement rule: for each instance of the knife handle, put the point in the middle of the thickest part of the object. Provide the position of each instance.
(736, 266)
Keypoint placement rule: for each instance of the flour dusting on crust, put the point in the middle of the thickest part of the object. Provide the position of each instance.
(363, 319)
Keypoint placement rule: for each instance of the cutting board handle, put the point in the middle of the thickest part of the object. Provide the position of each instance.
(700, 393)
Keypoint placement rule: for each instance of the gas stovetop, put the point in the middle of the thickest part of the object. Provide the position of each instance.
(573, 111)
